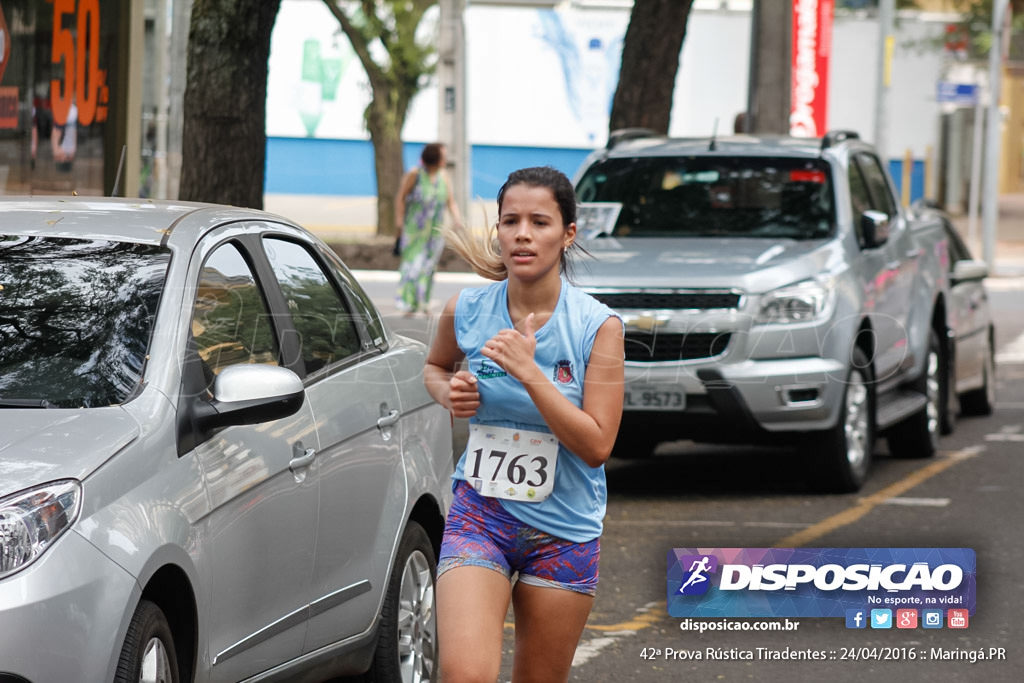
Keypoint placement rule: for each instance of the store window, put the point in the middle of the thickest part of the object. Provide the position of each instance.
(58, 62)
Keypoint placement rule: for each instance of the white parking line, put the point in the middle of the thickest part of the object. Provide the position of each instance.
(1011, 438)
(924, 502)
(777, 525)
(643, 617)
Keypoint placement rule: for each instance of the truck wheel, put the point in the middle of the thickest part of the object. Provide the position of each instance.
(147, 655)
(982, 401)
(407, 642)
(918, 435)
(843, 454)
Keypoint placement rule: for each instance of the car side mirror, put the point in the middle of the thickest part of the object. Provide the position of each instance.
(874, 226)
(250, 394)
(969, 270)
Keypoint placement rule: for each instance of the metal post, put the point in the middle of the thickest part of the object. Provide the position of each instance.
(975, 187)
(990, 205)
(160, 30)
(886, 40)
(451, 77)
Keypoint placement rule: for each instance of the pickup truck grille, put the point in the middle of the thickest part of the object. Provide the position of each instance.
(670, 300)
(642, 347)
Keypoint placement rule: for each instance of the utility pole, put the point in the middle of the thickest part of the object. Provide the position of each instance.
(994, 134)
(768, 98)
(451, 79)
(886, 45)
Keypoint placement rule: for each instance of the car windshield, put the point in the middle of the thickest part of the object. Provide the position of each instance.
(75, 319)
(700, 196)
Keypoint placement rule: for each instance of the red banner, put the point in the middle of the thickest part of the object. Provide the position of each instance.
(812, 47)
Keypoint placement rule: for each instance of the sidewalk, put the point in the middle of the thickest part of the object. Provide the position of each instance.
(342, 218)
(1009, 246)
(354, 218)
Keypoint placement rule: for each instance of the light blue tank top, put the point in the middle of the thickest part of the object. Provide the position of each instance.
(576, 508)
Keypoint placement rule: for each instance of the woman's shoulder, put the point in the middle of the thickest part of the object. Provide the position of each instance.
(478, 294)
(578, 299)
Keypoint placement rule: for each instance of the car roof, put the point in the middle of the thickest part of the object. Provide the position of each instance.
(145, 221)
(733, 145)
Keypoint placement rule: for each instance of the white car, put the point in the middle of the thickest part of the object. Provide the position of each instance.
(216, 463)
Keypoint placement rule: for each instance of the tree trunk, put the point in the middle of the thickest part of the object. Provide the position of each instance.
(650, 60)
(385, 128)
(224, 132)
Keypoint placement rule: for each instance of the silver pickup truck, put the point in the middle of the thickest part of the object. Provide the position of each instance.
(774, 291)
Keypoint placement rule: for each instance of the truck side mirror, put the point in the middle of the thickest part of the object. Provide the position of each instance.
(874, 227)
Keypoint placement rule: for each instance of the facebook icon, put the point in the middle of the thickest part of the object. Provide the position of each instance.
(856, 618)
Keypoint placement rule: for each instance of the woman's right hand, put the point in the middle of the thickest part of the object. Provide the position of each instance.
(463, 396)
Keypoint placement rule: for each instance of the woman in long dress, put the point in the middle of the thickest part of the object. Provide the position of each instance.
(419, 211)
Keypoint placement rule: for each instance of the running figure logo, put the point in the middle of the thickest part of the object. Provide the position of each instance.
(696, 580)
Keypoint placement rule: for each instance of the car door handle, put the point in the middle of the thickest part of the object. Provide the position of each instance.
(388, 420)
(304, 460)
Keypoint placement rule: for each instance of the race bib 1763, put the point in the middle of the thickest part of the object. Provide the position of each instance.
(515, 464)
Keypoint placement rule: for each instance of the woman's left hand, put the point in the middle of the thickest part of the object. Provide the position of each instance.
(513, 350)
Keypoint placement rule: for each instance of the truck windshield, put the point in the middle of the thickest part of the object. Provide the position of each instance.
(699, 196)
(75, 319)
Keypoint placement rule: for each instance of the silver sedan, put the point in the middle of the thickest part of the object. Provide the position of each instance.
(216, 463)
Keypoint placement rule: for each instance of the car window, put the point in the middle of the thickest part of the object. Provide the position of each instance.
(326, 328)
(860, 199)
(76, 317)
(363, 309)
(715, 195)
(878, 188)
(231, 322)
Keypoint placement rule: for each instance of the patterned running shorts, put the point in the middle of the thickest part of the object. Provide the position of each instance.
(481, 533)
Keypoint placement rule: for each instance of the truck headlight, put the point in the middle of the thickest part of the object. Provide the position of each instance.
(31, 520)
(803, 302)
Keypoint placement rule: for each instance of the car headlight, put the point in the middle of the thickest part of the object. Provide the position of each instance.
(802, 302)
(31, 520)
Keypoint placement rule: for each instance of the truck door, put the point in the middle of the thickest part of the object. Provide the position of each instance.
(888, 269)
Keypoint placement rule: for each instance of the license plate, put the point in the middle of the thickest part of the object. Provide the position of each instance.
(653, 398)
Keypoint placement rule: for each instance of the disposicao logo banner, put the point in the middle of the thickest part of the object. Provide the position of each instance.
(817, 582)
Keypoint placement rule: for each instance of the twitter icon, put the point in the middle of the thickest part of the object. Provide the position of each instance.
(881, 618)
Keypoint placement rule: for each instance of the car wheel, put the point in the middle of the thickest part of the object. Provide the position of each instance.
(918, 435)
(148, 654)
(407, 643)
(842, 456)
(982, 401)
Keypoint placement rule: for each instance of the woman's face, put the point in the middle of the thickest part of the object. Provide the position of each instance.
(531, 232)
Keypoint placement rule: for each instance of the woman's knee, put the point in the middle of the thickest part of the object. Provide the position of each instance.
(460, 668)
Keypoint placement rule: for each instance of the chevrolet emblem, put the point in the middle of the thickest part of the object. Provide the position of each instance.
(648, 322)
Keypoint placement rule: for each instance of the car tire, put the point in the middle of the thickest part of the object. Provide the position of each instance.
(918, 435)
(982, 401)
(148, 654)
(407, 641)
(841, 456)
